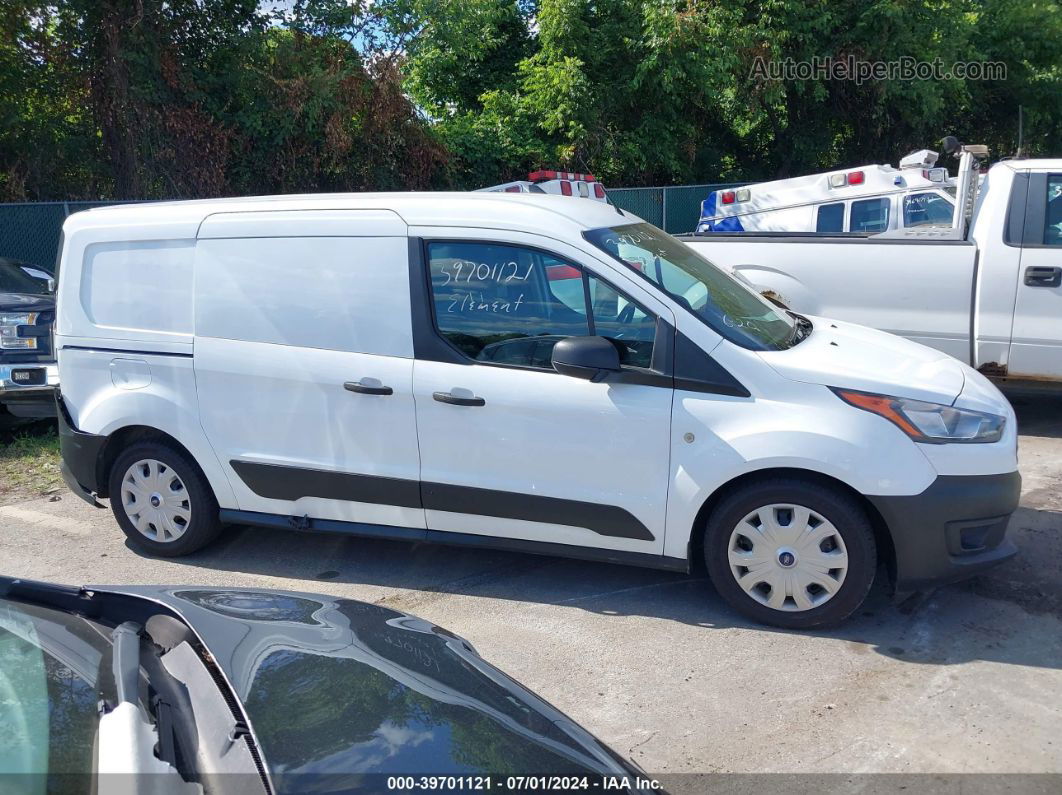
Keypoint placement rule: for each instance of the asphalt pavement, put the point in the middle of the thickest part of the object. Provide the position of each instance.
(967, 679)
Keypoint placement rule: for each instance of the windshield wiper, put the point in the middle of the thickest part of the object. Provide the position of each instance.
(802, 329)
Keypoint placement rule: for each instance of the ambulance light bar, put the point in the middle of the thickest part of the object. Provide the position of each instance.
(851, 178)
(935, 174)
(732, 196)
(544, 176)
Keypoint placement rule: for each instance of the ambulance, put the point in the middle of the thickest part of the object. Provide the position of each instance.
(559, 183)
(868, 199)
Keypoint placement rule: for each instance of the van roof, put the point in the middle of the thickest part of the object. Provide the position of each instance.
(530, 212)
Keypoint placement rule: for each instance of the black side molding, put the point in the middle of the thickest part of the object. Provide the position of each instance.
(274, 481)
(605, 520)
(277, 482)
(133, 351)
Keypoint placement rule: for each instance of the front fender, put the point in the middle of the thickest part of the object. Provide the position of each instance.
(816, 434)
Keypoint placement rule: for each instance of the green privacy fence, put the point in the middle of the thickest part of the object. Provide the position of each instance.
(30, 231)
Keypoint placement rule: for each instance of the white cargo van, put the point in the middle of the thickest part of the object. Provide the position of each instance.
(524, 372)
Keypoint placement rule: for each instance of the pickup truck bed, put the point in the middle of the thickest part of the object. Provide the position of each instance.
(992, 299)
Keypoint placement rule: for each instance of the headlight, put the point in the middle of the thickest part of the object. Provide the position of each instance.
(9, 338)
(929, 422)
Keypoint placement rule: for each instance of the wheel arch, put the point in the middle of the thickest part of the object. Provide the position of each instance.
(882, 536)
(122, 438)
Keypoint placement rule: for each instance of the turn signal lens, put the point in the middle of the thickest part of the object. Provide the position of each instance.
(10, 338)
(932, 423)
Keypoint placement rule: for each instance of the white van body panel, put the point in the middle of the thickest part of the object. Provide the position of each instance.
(787, 424)
(106, 391)
(288, 353)
(540, 434)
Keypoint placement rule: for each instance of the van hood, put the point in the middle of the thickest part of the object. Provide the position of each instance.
(846, 355)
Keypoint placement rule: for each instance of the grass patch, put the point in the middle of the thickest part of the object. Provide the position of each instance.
(29, 464)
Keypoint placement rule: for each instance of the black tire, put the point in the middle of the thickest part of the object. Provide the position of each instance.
(201, 527)
(842, 511)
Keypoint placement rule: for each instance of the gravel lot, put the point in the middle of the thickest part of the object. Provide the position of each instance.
(965, 680)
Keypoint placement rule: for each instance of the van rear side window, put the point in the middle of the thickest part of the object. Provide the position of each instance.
(143, 285)
(333, 293)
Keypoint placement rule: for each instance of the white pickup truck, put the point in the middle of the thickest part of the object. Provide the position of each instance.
(987, 291)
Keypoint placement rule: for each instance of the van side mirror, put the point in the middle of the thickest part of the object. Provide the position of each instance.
(590, 358)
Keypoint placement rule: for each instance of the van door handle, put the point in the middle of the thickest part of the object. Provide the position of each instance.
(1043, 277)
(367, 389)
(455, 400)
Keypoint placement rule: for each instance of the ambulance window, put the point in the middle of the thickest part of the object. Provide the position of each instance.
(926, 209)
(830, 218)
(869, 215)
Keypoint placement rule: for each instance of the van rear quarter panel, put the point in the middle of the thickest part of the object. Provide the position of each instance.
(124, 328)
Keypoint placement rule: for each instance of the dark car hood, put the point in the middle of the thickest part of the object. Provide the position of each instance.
(335, 689)
(25, 302)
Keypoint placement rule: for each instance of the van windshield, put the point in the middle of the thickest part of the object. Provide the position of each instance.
(726, 305)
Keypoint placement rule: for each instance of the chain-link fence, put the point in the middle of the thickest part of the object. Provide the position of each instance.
(674, 209)
(30, 231)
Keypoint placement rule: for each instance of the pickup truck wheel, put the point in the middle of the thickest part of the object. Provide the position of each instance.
(162, 501)
(791, 553)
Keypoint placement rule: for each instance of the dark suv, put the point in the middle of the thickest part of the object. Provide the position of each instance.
(28, 372)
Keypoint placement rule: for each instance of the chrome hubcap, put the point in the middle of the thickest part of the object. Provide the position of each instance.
(156, 501)
(787, 557)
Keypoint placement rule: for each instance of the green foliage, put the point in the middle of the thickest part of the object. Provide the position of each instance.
(660, 91)
(180, 98)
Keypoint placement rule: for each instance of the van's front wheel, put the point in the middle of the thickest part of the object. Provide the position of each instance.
(161, 500)
(791, 553)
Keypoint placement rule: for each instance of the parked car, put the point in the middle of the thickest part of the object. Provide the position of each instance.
(28, 372)
(317, 363)
(222, 690)
(986, 291)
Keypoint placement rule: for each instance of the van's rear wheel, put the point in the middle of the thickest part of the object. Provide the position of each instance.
(791, 553)
(162, 501)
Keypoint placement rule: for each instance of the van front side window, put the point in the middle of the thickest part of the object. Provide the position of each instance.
(510, 305)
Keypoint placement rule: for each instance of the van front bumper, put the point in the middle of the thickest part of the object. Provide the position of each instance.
(954, 529)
